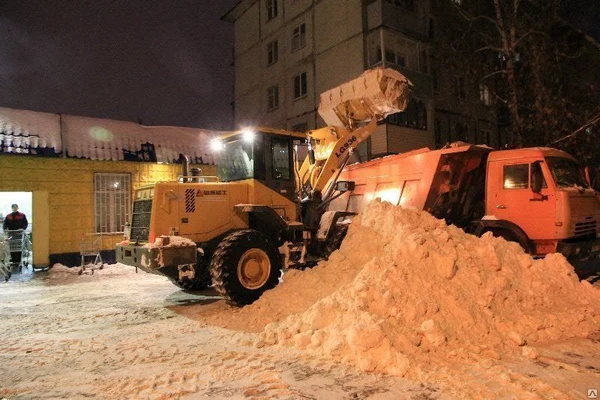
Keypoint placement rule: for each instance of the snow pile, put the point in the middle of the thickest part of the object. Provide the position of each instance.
(412, 291)
(59, 271)
(162, 243)
(170, 241)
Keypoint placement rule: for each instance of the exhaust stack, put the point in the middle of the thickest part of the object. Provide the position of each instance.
(185, 161)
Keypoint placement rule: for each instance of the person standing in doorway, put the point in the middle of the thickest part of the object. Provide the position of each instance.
(15, 221)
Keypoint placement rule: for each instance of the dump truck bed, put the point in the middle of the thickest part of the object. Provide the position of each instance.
(443, 182)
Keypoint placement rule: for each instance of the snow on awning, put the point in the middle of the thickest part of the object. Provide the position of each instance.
(29, 132)
(103, 139)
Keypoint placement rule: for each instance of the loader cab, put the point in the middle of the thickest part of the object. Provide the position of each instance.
(265, 154)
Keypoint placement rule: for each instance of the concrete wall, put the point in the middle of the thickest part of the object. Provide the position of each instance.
(333, 54)
(63, 196)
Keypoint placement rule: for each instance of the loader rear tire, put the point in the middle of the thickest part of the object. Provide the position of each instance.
(244, 266)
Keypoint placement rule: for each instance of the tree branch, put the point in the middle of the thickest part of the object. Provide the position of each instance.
(493, 48)
(594, 121)
(500, 71)
(530, 32)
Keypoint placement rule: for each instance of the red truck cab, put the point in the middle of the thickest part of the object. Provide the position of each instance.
(541, 198)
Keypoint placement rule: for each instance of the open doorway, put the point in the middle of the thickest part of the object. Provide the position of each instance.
(21, 254)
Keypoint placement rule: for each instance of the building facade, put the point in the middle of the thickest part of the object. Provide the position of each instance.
(287, 52)
(82, 173)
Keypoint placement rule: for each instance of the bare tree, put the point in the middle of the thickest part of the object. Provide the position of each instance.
(534, 60)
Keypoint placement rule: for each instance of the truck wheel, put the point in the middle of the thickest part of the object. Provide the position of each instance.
(510, 237)
(244, 266)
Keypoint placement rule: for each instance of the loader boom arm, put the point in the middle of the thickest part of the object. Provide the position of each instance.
(352, 111)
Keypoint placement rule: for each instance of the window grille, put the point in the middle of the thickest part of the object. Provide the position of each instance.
(112, 195)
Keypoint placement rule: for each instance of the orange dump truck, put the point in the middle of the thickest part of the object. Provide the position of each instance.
(538, 197)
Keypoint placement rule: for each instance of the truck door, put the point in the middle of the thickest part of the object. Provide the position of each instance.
(509, 197)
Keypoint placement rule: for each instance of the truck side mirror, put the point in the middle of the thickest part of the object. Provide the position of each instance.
(537, 177)
(344, 186)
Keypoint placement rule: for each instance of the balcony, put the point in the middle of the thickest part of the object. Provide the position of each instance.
(385, 13)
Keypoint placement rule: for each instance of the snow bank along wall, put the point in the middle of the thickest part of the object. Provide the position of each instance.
(31, 144)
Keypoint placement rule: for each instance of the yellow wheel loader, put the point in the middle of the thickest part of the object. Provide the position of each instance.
(265, 210)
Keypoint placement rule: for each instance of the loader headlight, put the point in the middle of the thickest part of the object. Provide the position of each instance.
(248, 136)
(216, 145)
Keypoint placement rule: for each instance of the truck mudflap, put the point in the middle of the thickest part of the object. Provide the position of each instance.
(161, 260)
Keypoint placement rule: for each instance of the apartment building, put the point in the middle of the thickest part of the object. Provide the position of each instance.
(287, 52)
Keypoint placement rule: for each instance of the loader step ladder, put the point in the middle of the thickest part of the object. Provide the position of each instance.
(89, 249)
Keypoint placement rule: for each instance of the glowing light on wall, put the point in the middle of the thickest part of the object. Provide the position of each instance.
(101, 134)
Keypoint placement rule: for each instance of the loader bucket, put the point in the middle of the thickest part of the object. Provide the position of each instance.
(377, 93)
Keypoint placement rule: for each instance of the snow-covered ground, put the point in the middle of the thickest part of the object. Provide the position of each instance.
(118, 334)
(121, 335)
(407, 308)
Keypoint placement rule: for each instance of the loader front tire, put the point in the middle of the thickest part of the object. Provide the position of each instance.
(244, 266)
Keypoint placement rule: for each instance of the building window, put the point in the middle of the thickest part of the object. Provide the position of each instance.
(423, 62)
(300, 85)
(271, 9)
(431, 30)
(299, 37)
(273, 97)
(393, 57)
(516, 176)
(406, 4)
(459, 87)
(461, 132)
(486, 137)
(272, 52)
(484, 95)
(112, 194)
(435, 80)
(421, 116)
(415, 116)
(376, 57)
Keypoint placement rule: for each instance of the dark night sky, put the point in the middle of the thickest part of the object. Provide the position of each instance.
(165, 62)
